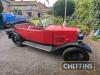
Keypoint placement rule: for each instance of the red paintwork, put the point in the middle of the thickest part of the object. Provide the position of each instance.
(52, 35)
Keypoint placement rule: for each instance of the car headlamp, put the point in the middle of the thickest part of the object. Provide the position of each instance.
(80, 37)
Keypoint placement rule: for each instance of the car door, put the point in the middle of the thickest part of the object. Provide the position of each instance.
(36, 34)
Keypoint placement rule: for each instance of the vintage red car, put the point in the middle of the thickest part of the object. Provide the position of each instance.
(66, 40)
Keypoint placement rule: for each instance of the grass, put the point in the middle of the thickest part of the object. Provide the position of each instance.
(95, 38)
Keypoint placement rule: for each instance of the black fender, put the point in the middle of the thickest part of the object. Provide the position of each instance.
(10, 34)
(83, 46)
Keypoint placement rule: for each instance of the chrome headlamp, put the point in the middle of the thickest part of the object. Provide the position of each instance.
(80, 36)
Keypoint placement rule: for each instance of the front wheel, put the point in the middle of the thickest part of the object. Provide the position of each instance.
(17, 40)
(75, 54)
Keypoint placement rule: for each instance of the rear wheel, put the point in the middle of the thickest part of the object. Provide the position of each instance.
(75, 54)
(17, 40)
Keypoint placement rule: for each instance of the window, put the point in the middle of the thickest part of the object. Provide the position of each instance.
(29, 14)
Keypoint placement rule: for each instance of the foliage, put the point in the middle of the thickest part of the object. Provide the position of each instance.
(1, 7)
(88, 14)
(50, 11)
(57, 20)
(71, 22)
(95, 38)
(82, 11)
(59, 8)
(36, 22)
(95, 14)
(85, 29)
(46, 21)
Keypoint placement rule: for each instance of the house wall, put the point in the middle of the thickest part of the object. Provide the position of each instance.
(6, 6)
(33, 13)
(25, 9)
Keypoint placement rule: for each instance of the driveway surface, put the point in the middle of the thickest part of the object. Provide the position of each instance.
(30, 61)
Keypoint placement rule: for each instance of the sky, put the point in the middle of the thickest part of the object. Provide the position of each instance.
(51, 2)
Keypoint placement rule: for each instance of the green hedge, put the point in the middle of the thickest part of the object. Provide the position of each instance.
(95, 38)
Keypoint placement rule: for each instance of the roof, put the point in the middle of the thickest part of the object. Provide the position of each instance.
(22, 3)
(26, 3)
(42, 5)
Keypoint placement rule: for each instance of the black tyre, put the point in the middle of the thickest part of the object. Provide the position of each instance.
(17, 40)
(75, 54)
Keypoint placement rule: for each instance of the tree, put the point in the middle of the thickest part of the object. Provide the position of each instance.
(82, 10)
(83, 14)
(1, 7)
(59, 8)
(88, 13)
(95, 14)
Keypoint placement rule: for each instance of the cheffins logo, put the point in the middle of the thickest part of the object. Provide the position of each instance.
(78, 65)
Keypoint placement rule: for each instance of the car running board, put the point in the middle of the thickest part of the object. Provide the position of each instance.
(38, 46)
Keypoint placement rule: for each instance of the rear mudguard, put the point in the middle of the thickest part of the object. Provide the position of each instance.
(83, 46)
(10, 33)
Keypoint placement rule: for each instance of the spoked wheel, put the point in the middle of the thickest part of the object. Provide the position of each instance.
(75, 54)
(17, 40)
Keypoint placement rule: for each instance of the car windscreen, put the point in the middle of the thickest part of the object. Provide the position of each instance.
(45, 22)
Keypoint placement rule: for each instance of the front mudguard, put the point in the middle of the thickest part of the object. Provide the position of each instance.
(82, 46)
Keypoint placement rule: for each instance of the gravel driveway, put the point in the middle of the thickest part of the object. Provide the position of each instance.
(30, 61)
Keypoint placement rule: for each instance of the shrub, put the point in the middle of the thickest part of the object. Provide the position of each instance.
(57, 20)
(85, 29)
(95, 38)
(35, 22)
(72, 23)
